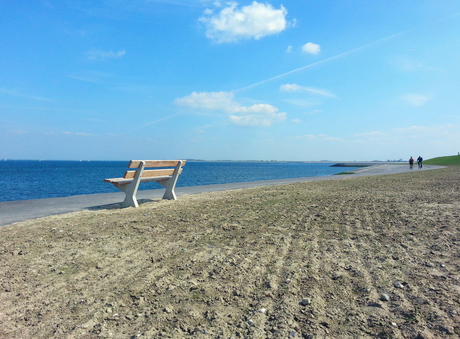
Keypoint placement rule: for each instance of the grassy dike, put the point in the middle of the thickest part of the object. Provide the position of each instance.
(365, 257)
(453, 160)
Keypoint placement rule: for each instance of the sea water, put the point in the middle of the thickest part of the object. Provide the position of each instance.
(34, 179)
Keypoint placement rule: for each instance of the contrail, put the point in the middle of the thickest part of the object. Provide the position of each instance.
(151, 123)
(321, 62)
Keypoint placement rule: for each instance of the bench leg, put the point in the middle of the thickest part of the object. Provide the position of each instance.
(169, 185)
(130, 191)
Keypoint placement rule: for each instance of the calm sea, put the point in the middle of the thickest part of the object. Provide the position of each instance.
(29, 179)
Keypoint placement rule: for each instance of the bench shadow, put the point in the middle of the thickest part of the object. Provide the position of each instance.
(116, 206)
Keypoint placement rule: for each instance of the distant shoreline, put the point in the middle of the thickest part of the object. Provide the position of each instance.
(341, 163)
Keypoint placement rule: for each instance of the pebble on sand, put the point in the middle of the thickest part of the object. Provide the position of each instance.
(305, 301)
(397, 284)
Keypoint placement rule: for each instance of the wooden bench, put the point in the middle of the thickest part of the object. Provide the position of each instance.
(165, 176)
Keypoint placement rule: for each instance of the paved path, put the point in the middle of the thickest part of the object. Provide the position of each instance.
(15, 211)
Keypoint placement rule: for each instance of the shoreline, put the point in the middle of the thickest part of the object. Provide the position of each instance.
(78, 178)
(21, 210)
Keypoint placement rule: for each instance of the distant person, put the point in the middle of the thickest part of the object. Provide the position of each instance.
(411, 163)
(420, 161)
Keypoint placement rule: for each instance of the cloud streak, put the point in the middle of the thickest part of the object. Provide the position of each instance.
(151, 123)
(96, 54)
(25, 96)
(310, 90)
(322, 137)
(415, 100)
(322, 61)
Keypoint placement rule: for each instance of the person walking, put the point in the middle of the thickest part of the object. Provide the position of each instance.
(411, 163)
(420, 161)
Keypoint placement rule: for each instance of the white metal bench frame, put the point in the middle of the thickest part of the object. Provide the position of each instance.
(129, 184)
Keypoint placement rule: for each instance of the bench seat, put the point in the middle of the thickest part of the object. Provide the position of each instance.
(123, 181)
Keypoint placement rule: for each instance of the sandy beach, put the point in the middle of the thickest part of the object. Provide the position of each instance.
(363, 257)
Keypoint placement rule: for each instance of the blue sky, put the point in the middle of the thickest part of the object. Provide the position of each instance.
(246, 80)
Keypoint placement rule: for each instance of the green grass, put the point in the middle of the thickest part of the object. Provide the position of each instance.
(413, 318)
(444, 161)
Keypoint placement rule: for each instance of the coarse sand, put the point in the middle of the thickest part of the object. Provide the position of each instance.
(364, 257)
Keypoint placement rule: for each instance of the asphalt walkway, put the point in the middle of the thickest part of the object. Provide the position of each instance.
(16, 211)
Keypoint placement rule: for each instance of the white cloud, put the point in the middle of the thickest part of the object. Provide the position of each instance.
(401, 135)
(19, 132)
(296, 121)
(424, 131)
(96, 54)
(415, 100)
(315, 111)
(322, 137)
(320, 92)
(307, 136)
(253, 21)
(290, 88)
(91, 76)
(311, 48)
(289, 49)
(257, 120)
(329, 138)
(209, 101)
(262, 115)
(311, 90)
(408, 64)
(255, 115)
(369, 134)
(81, 134)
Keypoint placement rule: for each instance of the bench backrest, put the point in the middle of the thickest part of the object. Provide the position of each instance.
(155, 164)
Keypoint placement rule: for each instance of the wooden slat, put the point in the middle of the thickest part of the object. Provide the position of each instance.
(122, 181)
(112, 180)
(155, 163)
(151, 173)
